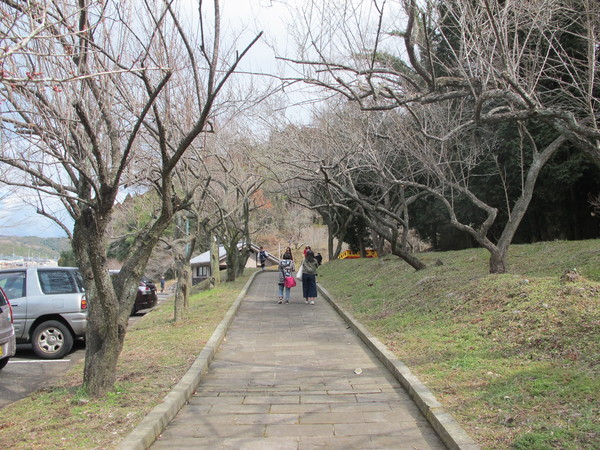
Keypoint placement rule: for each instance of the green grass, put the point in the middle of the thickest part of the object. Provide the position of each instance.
(514, 357)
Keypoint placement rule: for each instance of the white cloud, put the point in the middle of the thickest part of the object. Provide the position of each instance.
(18, 217)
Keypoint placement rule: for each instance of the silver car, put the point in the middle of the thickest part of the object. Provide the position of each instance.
(49, 306)
(8, 345)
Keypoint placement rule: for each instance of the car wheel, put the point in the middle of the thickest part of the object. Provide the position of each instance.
(3, 362)
(51, 340)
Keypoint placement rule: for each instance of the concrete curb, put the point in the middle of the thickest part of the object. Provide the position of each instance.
(447, 428)
(144, 435)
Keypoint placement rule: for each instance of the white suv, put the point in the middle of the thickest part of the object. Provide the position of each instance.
(8, 345)
(49, 307)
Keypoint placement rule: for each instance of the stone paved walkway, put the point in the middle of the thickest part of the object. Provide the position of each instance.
(285, 379)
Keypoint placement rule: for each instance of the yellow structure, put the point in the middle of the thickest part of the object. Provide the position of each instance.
(347, 254)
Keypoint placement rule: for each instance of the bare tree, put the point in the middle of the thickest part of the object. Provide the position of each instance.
(88, 140)
(514, 60)
(337, 167)
(485, 64)
(235, 183)
(447, 167)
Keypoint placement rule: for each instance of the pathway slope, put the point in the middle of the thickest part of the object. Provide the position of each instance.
(296, 376)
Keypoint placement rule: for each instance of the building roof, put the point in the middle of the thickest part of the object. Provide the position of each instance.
(204, 258)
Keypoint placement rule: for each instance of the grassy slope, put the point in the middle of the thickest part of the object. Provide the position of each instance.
(514, 357)
(33, 246)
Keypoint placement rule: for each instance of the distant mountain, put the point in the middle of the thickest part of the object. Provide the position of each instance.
(32, 246)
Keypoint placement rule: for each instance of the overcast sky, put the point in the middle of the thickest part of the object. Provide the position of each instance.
(18, 218)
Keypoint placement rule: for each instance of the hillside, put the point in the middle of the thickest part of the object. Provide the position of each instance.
(514, 357)
(33, 246)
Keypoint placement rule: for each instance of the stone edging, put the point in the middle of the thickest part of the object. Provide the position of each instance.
(146, 432)
(447, 428)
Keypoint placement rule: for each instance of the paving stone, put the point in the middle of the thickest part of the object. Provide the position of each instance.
(300, 430)
(364, 407)
(218, 429)
(406, 441)
(335, 443)
(271, 399)
(402, 415)
(332, 417)
(235, 409)
(366, 429)
(301, 408)
(266, 419)
(327, 398)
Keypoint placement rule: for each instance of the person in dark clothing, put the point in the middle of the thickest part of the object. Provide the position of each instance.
(309, 278)
(262, 257)
(319, 259)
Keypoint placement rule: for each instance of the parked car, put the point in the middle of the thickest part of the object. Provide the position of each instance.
(8, 345)
(146, 296)
(49, 307)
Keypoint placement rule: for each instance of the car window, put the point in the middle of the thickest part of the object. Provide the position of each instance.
(13, 284)
(79, 280)
(57, 282)
(3, 301)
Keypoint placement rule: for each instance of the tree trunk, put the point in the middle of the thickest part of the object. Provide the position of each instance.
(330, 238)
(391, 235)
(378, 242)
(110, 299)
(241, 262)
(184, 275)
(232, 259)
(183, 291)
(338, 250)
(362, 248)
(182, 288)
(499, 254)
(244, 253)
(230, 270)
(414, 262)
(498, 262)
(215, 273)
(106, 326)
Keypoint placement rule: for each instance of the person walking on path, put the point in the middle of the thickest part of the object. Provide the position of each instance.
(286, 269)
(162, 284)
(262, 256)
(309, 277)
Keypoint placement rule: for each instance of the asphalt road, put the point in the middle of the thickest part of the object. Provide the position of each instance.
(25, 373)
